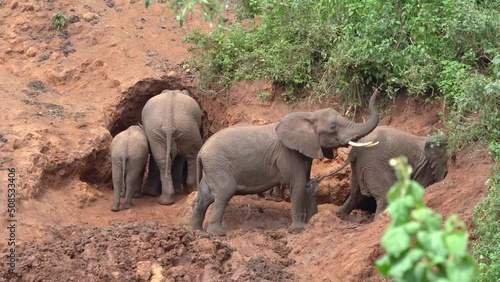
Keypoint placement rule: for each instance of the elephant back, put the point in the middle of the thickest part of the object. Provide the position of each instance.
(172, 106)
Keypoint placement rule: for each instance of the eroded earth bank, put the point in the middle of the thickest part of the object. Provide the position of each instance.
(66, 93)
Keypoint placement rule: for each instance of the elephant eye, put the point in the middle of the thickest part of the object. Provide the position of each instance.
(333, 127)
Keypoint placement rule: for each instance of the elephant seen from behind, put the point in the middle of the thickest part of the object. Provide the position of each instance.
(129, 154)
(172, 122)
(250, 159)
(372, 176)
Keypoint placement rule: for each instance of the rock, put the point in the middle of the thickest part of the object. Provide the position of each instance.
(144, 270)
(171, 74)
(89, 17)
(157, 273)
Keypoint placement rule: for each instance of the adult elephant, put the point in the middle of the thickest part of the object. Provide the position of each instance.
(249, 159)
(372, 176)
(172, 122)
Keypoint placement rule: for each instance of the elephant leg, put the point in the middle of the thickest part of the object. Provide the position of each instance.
(191, 173)
(226, 188)
(138, 186)
(298, 199)
(311, 204)
(167, 187)
(278, 193)
(117, 174)
(215, 222)
(381, 205)
(177, 169)
(189, 148)
(153, 182)
(203, 200)
(133, 180)
(353, 200)
(268, 194)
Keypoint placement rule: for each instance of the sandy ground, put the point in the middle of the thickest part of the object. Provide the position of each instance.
(65, 93)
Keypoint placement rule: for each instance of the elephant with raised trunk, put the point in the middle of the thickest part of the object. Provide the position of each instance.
(172, 122)
(249, 159)
(129, 154)
(372, 176)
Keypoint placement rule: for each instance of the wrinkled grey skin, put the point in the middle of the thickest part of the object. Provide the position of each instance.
(129, 154)
(249, 159)
(172, 122)
(275, 194)
(372, 176)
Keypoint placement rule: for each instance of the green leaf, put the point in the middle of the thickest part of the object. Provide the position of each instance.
(384, 265)
(412, 227)
(395, 241)
(433, 243)
(456, 243)
(404, 265)
(463, 269)
(399, 211)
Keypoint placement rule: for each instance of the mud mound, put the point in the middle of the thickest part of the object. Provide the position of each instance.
(129, 252)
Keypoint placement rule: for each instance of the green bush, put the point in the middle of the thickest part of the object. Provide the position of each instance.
(340, 46)
(58, 20)
(486, 248)
(418, 248)
(473, 104)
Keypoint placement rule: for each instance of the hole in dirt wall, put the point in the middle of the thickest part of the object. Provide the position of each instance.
(128, 112)
(129, 109)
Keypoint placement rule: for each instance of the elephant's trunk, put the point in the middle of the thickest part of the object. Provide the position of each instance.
(359, 130)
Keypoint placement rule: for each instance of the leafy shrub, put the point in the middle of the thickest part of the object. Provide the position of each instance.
(340, 46)
(418, 249)
(486, 248)
(210, 8)
(473, 104)
(58, 20)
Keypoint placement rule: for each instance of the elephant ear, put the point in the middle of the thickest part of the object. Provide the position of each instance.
(437, 156)
(296, 131)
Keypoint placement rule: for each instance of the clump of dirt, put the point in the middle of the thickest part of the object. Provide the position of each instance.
(124, 252)
(262, 269)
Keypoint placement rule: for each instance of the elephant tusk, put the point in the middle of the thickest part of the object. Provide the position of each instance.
(367, 144)
(371, 145)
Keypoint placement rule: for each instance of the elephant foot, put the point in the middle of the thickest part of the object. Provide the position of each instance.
(137, 195)
(196, 224)
(216, 229)
(127, 206)
(297, 227)
(151, 193)
(166, 200)
(277, 199)
(115, 208)
(342, 215)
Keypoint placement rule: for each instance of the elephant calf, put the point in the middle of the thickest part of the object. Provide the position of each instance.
(129, 154)
(372, 175)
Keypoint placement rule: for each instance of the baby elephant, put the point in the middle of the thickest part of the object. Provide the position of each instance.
(129, 154)
(372, 176)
